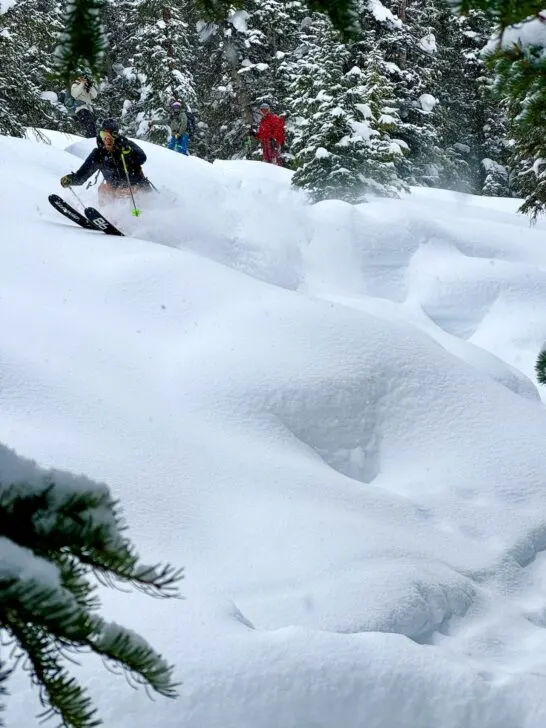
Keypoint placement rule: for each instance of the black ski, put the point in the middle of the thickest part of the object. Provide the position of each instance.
(68, 211)
(98, 220)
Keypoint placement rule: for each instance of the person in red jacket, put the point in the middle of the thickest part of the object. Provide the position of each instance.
(272, 135)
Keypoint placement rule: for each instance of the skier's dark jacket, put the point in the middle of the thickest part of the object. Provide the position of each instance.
(111, 165)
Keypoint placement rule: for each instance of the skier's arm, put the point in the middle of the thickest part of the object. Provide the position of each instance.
(279, 133)
(89, 167)
(93, 92)
(132, 150)
(161, 122)
(77, 89)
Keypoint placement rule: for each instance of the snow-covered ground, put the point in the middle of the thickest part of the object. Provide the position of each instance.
(325, 413)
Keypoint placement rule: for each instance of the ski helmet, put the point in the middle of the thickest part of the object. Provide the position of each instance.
(176, 105)
(110, 125)
(265, 107)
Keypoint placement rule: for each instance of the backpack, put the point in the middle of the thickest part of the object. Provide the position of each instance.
(65, 98)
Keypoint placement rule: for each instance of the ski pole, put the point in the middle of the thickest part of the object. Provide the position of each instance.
(76, 196)
(136, 211)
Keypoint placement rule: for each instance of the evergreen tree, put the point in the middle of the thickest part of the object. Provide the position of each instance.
(148, 62)
(27, 39)
(345, 116)
(56, 531)
(541, 367)
(517, 60)
(83, 41)
(162, 63)
(466, 108)
(404, 33)
(242, 62)
(226, 102)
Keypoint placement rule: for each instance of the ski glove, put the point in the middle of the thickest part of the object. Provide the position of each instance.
(66, 181)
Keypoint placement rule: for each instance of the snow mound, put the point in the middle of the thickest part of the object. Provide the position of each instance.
(325, 412)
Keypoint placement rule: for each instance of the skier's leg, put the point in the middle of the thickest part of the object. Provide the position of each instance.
(266, 152)
(172, 143)
(184, 144)
(105, 193)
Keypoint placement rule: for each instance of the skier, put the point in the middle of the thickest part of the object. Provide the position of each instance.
(83, 93)
(179, 122)
(120, 161)
(271, 134)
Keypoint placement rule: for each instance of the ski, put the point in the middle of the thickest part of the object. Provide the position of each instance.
(99, 222)
(92, 220)
(71, 213)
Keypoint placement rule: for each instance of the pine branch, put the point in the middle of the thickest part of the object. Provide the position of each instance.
(56, 532)
(87, 525)
(82, 44)
(125, 647)
(3, 677)
(540, 367)
(60, 694)
(504, 12)
(344, 15)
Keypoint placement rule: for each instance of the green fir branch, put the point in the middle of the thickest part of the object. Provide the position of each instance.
(540, 367)
(54, 539)
(504, 12)
(82, 43)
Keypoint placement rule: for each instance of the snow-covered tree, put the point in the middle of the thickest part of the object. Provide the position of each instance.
(240, 65)
(517, 59)
(541, 367)
(466, 109)
(149, 62)
(345, 119)
(82, 41)
(27, 39)
(57, 531)
(404, 34)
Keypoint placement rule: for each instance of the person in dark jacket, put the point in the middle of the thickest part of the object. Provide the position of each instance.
(83, 93)
(119, 159)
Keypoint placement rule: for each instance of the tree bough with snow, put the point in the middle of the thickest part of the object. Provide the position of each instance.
(516, 57)
(82, 42)
(56, 532)
(541, 367)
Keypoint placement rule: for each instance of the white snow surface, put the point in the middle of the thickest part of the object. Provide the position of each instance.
(382, 14)
(428, 102)
(428, 43)
(530, 33)
(326, 413)
(5, 5)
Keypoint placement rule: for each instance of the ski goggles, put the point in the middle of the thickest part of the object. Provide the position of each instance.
(106, 135)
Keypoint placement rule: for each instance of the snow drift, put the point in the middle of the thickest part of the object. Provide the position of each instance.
(325, 413)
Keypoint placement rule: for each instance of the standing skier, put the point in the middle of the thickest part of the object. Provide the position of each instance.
(272, 135)
(179, 123)
(119, 159)
(83, 93)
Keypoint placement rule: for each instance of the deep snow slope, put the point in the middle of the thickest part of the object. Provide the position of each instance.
(325, 413)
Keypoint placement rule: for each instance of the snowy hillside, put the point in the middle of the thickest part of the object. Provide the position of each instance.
(325, 413)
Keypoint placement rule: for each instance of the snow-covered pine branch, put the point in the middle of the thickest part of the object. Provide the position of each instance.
(57, 530)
